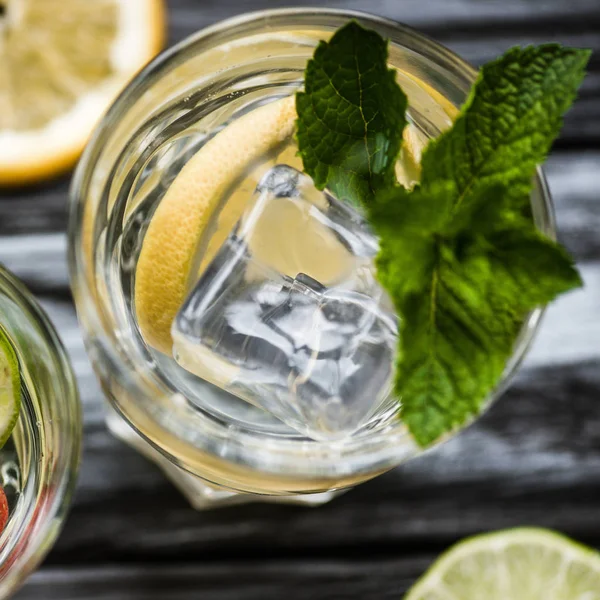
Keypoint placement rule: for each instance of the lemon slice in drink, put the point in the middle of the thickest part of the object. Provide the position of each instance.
(61, 64)
(10, 388)
(182, 216)
(178, 224)
(517, 564)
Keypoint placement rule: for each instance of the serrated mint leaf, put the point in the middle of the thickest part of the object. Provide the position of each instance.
(528, 269)
(459, 256)
(351, 115)
(459, 330)
(399, 210)
(454, 348)
(508, 124)
(404, 264)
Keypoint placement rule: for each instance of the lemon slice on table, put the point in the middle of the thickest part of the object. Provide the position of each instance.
(10, 388)
(61, 64)
(517, 564)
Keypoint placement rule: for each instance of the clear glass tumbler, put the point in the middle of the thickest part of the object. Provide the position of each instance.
(215, 447)
(38, 464)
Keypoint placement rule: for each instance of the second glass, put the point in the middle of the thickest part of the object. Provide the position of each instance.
(38, 463)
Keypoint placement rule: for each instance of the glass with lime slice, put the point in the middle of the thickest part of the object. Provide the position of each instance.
(40, 433)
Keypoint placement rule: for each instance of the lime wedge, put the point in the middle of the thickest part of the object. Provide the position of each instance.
(516, 564)
(10, 388)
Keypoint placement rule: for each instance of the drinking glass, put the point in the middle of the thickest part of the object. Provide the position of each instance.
(215, 447)
(38, 463)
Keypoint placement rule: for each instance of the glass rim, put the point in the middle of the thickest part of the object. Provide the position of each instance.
(252, 454)
(36, 527)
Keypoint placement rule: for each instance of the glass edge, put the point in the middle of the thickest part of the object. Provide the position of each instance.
(47, 530)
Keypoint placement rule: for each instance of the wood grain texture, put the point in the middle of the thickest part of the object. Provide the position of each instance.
(313, 578)
(533, 459)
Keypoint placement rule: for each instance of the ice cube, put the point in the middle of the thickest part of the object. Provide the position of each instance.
(289, 316)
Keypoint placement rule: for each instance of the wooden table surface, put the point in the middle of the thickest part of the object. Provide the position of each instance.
(534, 459)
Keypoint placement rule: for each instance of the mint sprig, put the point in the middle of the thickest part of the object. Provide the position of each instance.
(459, 254)
(508, 123)
(351, 113)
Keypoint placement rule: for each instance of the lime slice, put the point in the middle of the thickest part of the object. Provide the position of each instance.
(10, 388)
(517, 564)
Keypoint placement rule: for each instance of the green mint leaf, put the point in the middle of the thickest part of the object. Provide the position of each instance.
(528, 269)
(462, 287)
(460, 327)
(351, 115)
(454, 346)
(462, 284)
(399, 210)
(459, 254)
(508, 123)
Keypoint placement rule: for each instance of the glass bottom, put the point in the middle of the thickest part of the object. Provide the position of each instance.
(200, 494)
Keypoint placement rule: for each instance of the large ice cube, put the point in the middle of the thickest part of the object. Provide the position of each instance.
(289, 316)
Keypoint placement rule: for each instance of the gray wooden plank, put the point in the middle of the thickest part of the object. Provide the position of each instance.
(187, 15)
(256, 580)
(571, 328)
(39, 259)
(41, 208)
(574, 180)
